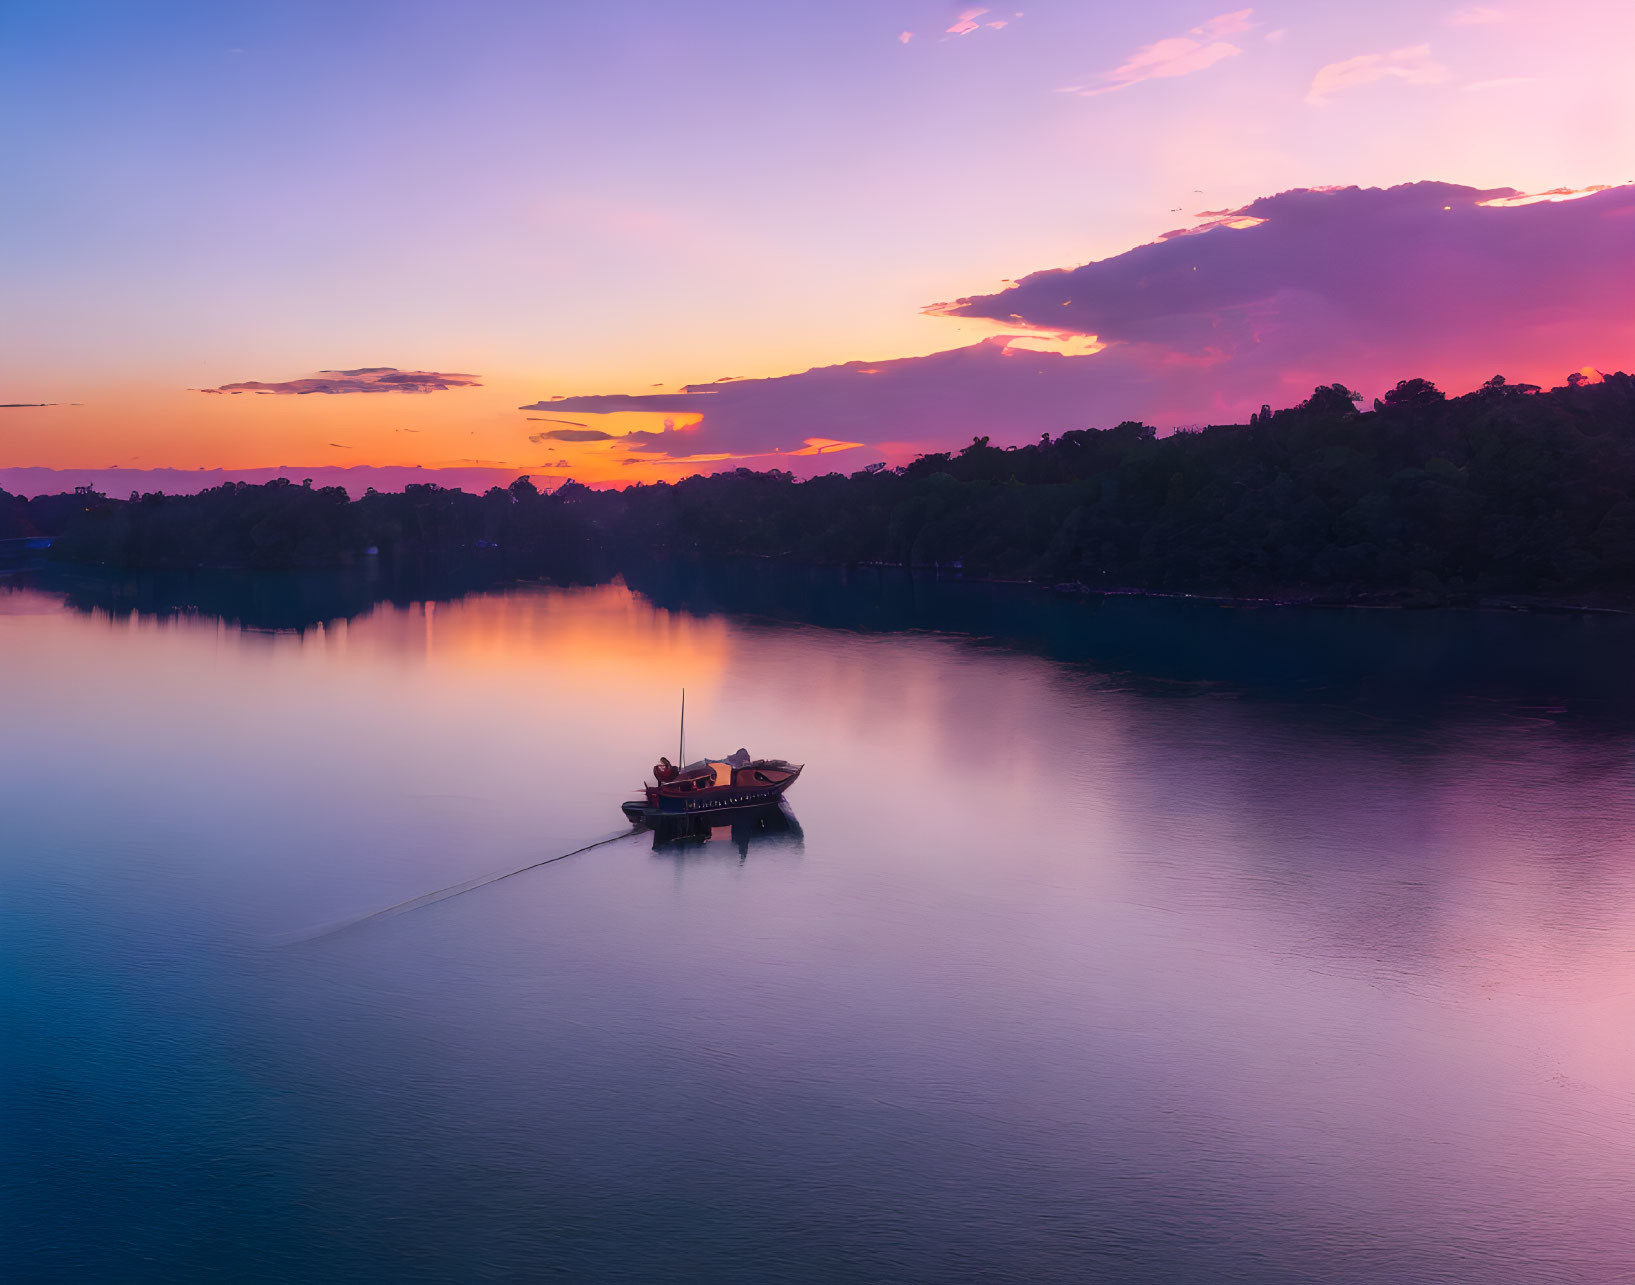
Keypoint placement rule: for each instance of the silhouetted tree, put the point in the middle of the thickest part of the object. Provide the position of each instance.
(1331, 399)
(1498, 387)
(1411, 393)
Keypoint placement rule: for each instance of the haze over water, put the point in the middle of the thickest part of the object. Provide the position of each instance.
(1091, 961)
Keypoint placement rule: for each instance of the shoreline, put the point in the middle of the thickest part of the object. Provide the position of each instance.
(1379, 601)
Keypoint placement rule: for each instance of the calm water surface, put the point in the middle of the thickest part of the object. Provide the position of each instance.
(1167, 946)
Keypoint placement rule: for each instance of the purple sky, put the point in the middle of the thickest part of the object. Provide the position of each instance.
(635, 197)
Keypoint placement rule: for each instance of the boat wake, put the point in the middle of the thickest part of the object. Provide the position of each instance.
(453, 890)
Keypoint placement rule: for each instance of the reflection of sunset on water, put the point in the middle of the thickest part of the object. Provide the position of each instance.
(604, 634)
(1367, 971)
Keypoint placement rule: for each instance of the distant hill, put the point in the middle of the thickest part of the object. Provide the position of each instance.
(1505, 493)
(176, 481)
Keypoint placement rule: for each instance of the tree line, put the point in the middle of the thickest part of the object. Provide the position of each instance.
(1505, 491)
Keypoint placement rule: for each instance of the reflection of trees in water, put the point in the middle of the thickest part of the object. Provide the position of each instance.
(1393, 663)
(297, 600)
(1390, 661)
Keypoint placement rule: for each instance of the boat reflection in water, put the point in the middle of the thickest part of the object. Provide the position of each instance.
(768, 827)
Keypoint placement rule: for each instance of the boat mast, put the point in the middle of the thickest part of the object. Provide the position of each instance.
(681, 751)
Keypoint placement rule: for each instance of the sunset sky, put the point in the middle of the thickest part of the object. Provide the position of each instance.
(515, 203)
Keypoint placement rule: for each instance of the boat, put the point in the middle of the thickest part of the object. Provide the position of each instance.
(711, 785)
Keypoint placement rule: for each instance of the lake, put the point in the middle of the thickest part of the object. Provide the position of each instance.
(1111, 939)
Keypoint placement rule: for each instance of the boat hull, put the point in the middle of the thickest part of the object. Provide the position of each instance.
(722, 800)
(729, 799)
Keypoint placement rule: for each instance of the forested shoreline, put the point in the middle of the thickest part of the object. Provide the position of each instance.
(1506, 492)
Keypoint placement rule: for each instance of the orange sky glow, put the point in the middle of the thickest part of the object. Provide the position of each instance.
(592, 233)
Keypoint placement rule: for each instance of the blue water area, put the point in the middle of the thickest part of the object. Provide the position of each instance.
(1102, 940)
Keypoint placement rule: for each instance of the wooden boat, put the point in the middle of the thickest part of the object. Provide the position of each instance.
(711, 785)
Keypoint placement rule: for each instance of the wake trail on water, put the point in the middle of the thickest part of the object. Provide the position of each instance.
(444, 894)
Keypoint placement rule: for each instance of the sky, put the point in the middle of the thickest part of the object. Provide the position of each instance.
(525, 229)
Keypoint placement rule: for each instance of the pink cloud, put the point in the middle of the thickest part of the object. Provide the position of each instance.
(1500, 82)
(1553, 194)
(1226, 24)
(1475, 15)
(1414, 66)
(970, 20)
(1201, 47)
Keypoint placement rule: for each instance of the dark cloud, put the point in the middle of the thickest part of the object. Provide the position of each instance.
(365, 379)
(1366, 286)
(571, 435)
(26, 405)
(992, 387)
(1354, 275)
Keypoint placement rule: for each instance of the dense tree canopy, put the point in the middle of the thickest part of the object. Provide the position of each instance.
(1504, 491)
